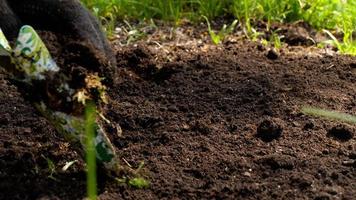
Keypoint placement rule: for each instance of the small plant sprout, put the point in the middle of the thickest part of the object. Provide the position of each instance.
(51, 168)
(139, 183)
(276, 40)
(221, 35)
(90, 116)
(329, 114)
(348, 46)
(133, 33)
(135, 180)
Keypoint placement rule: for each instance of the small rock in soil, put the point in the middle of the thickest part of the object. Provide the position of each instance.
(334, 176)
(270, 129)
(341, 132)
(350, 163)
(323, 196)
(325, 152)
(7, 144)
(298, 36)
(309, 125)
(352, 155)
(302, 181)
(261, 47)
(278, 162)
(247, 174)
(334, 190)
(173, 108)
(272, 54)
(202, 127)
(5, 119)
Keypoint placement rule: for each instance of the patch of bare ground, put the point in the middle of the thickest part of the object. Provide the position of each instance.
(210, 122)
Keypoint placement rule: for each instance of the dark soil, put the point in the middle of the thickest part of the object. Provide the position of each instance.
(217, 123)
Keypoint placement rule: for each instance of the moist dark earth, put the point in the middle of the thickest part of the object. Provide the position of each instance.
(219, 123)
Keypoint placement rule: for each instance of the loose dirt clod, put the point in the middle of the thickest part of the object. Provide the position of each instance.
(309, 125)
(278, 162)
(323, 196)
(342, 132)
(202, 127)
(270, 129)
(272, 54)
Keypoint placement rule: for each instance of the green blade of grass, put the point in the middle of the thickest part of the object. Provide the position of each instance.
(214, 37)
(329, 114)
(139, 183)
(90, 116)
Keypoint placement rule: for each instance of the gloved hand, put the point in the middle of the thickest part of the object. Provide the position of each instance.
(67, 19)
(61, 92)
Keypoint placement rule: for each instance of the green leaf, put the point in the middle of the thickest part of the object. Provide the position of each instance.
(139, 183)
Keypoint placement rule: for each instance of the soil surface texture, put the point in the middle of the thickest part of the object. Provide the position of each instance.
(209, 122)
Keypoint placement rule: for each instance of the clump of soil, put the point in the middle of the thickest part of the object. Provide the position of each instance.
(78, 62)
(272, 54)
(77, 58)
(193, 120)
(270, 129)
(278, 162)
(342, 132)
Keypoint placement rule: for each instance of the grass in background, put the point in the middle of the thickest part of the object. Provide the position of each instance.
(211, 8)
(220, 36)
(337, 16)
(106, 11)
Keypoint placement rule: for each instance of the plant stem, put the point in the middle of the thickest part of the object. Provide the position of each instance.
(90, 115)
(330, 114)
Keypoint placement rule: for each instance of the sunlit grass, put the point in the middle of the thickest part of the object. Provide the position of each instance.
(336, 15)
(328, 14)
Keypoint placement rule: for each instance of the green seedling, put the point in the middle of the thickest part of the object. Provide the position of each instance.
(139, 183)
(276, 40)
(51, 168)
(135, 180)
(333, 40)
(221, 35)
(333, 115)
(348, 46)
(264, 42)
(244, 11)
(90, 117)
(133, 33)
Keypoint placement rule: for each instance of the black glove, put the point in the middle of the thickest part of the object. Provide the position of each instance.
(67, 19)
